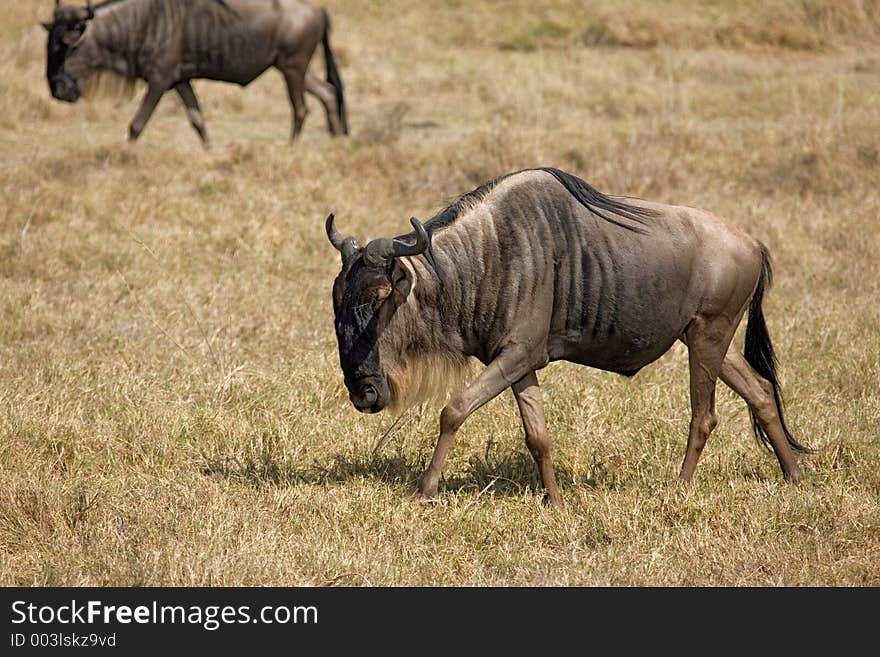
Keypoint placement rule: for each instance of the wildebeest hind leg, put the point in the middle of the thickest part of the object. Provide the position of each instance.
(325, 92)
(707, 340)
(295, 79)
(145, 111)
(488, 385)
(531, 408)
(188, 96)
(758, 394)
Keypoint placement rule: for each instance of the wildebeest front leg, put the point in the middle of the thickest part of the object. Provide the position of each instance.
(145, 111)
(531, 408)
(188, 96)
(491, 383)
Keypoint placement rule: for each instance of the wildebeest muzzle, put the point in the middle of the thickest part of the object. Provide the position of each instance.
(370, 394)
(64, 88)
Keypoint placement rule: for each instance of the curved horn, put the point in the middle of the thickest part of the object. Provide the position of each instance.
(421, 244)
(333, 235)
(345, 245)
(380, 251)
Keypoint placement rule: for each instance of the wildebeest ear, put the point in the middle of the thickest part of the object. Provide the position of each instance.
(48, 26)
(401, 280)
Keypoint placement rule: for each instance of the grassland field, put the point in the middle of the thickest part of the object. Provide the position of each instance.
(171, 405)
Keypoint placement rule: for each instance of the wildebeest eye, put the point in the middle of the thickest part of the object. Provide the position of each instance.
(72, 37)
(383, 291)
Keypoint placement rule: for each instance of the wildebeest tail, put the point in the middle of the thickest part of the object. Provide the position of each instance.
(760, 355)
(333, 75)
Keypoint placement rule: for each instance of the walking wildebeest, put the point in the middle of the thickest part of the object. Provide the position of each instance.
(538, 266)
(167, 43)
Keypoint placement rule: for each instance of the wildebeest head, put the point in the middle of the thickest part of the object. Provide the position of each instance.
(68, 25)
(370, 288)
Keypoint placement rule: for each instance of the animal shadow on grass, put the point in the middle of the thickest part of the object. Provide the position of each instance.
(510, 473)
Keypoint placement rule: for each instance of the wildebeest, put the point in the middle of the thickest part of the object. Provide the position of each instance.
(167, 43)
(538, 266)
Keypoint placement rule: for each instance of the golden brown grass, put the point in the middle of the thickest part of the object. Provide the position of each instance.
(171, 408)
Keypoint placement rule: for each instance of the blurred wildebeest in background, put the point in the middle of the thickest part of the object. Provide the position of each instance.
(538, 266)
(167, 43)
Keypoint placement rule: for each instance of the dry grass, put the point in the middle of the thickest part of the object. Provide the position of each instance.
(171, 409)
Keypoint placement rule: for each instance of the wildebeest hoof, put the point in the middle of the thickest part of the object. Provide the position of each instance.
(427, 499)
(795, 478)
(553, 501)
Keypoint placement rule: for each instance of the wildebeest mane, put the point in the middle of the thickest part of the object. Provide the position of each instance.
(448, 216)
(106, 3)
(599, 204)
